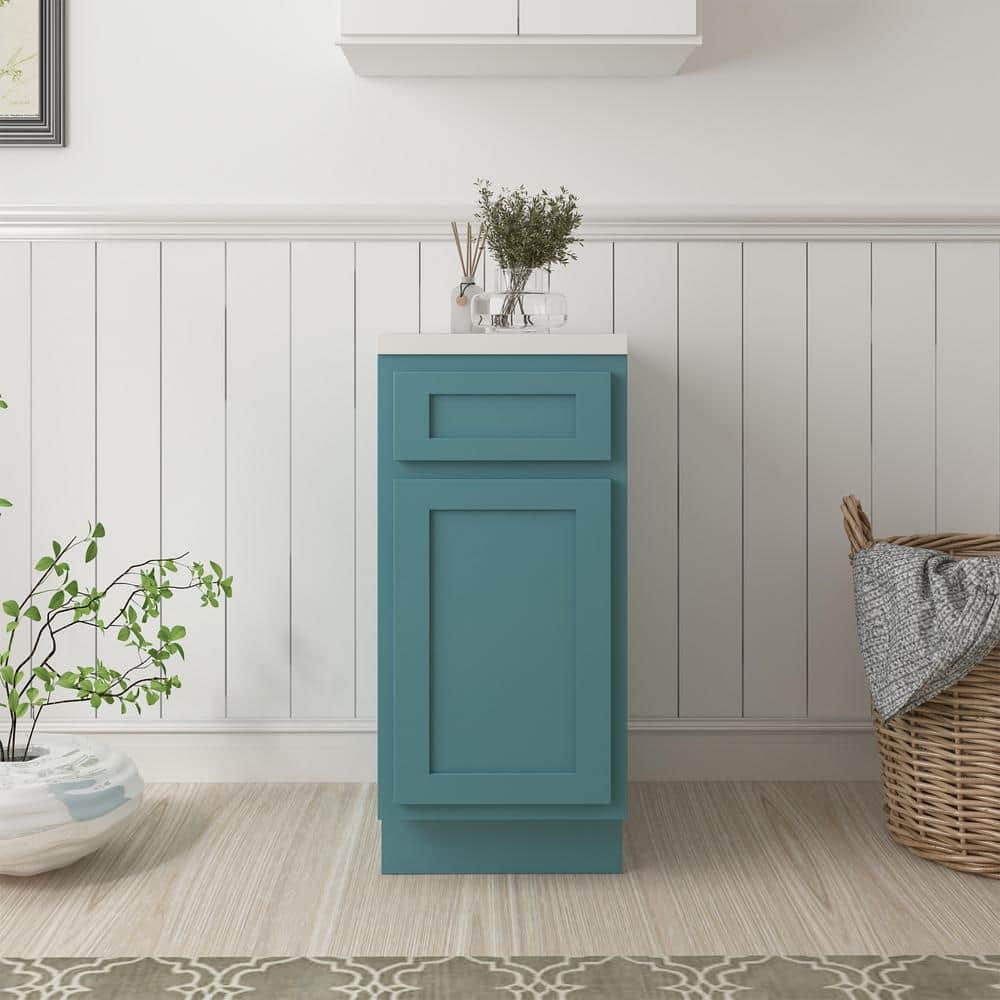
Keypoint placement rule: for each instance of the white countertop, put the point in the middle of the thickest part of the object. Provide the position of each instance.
(502, 343)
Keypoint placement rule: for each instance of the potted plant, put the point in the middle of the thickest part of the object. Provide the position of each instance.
(528, 234)
(61, 796)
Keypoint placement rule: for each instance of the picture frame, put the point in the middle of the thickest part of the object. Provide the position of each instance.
(32, 59)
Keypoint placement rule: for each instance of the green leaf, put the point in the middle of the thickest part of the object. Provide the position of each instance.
(57, 600)
(44, 563)
(124, 634)
(22, 710)
(69, 679)
(11, 608)
(98, 531)
(151, 697)
(7, 675)
(33, 613)
(216, 568)
(56, 547)
(178, 632)
(3, 405)
(91, 552)
(5, 503)
(13, 700)
(96, 700)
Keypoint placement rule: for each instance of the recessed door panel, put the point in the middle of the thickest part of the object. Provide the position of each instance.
(502, 416)
(502, 663)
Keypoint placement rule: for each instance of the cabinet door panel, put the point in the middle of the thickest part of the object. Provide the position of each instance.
(440, 17)
(603, 17)
(502, 641)
(502, 416)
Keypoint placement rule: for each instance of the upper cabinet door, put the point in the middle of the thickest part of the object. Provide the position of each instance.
(609, 17)
(433, 17)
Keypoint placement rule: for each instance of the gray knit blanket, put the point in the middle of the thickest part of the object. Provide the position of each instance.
(924, 620)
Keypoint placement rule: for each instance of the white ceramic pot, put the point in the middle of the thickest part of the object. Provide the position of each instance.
(63, 803)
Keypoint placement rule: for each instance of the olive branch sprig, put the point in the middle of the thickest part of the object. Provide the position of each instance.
(57, 603)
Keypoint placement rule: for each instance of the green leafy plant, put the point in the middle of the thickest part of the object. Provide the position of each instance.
(3, 501)
(129, 608)
(525, 232)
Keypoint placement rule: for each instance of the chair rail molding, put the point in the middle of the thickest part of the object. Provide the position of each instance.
(429, 221)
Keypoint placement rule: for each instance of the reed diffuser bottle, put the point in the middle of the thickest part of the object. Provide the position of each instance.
(463, 293)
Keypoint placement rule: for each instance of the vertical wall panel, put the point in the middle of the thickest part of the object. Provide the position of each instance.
(646, 311)
(15, 428)
(968, 387)
(377, 312)
(257, 503)
(439, 273)
(716, 442)
(193, 460)
(710, 457)
(774, 479)
(588, 286)
(839, 463)
(128, 423)
(63, 419)
(322, 480)
(903, 389)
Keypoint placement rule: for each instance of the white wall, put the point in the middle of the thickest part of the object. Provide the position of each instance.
(790, 102)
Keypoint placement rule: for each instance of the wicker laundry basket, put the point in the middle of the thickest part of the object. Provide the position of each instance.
(941, 760)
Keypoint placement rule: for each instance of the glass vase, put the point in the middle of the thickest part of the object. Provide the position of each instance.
(520, 301)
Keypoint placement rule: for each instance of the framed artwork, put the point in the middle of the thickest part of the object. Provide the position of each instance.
(31, 72)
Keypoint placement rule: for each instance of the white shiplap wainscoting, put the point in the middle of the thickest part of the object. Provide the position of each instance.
(208, 382)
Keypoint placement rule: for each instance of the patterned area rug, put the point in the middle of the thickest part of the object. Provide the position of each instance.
(857, 977)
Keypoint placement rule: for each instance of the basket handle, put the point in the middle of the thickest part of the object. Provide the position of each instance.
(856, 525)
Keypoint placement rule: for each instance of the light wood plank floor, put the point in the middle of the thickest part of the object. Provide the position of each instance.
(293, 869)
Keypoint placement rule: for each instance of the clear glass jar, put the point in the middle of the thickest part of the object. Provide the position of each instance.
(520, 301)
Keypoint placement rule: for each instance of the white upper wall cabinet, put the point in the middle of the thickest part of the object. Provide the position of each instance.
(608, 17)
(431, 17)
(518, 37)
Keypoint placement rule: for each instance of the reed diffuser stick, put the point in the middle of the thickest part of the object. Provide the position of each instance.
(458, 246)
(480, 247)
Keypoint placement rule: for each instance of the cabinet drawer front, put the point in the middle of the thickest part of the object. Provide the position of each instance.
(502, 416)
(502, 641)
(442, 17)
(609, 17)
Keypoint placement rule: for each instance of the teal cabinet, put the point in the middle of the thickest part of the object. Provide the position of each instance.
(502, 613)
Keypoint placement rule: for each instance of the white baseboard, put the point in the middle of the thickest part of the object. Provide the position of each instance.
(344, 750)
